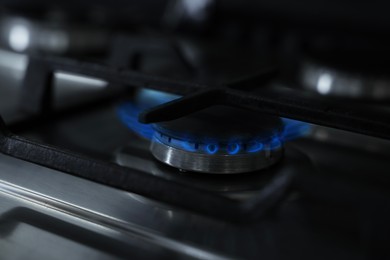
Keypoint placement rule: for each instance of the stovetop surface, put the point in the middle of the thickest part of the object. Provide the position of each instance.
(76, 182)
(47, 208)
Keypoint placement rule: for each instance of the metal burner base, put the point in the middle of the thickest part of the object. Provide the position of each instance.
(215, 163)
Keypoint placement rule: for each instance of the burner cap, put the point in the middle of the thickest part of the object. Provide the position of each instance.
(219, 140)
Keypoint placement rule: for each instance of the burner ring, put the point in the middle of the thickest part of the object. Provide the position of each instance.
(219, 140)
(217, 162)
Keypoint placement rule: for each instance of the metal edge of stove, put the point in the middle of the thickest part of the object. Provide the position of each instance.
(94, 206)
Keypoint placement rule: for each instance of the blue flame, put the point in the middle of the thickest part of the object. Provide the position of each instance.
(188, 146)
(146, 98)
(128, 113)
(212, 148)
(275, 143)
(293, 129)
(255, 146)
(233, 148)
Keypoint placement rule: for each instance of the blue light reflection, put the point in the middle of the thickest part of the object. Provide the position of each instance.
(233, 148)
(212, 148)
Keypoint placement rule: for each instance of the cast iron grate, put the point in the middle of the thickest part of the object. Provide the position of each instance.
(281, 102)
(278, 101)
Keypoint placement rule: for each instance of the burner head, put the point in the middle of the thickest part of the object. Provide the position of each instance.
(219, 140)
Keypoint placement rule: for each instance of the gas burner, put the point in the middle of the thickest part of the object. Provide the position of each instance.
(326, 80)
(219, 140)
(135, 155)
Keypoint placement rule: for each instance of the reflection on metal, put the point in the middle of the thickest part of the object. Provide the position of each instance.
(25, 35)
(54, 40)
(19, 37)
(348, 139)
(324, 84)
(100, 215)
(12, 69)
(326, 80)
(78, 79)
(197, 10)
(188, 10)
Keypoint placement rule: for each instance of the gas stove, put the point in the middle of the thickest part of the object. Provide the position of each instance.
(193, 130)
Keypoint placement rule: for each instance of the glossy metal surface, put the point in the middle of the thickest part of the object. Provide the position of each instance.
(112, 224)
(41, 210)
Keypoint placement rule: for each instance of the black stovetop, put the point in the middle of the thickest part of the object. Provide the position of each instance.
(73, 176)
